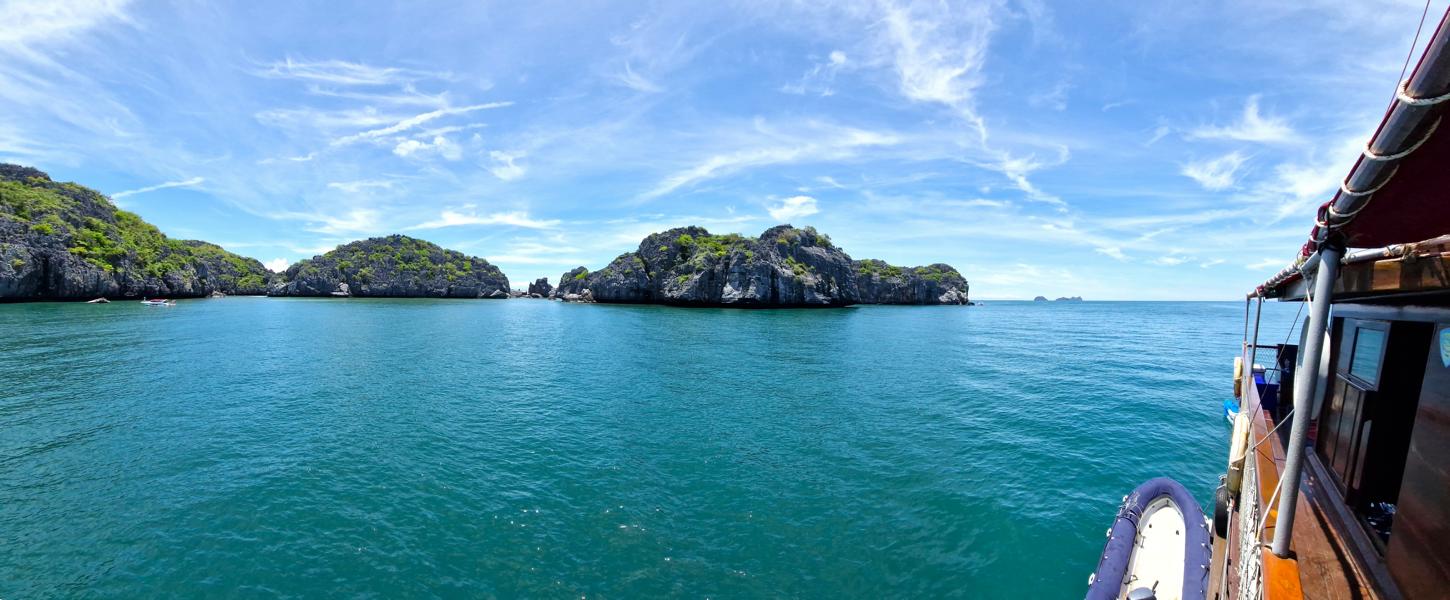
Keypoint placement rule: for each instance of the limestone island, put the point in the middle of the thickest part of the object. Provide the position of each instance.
(396, 266)
(784, 267)
(62, 241)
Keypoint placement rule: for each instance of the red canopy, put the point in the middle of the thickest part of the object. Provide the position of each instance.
(1398, 191)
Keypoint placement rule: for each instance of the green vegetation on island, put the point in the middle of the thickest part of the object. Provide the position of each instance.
(65, 241)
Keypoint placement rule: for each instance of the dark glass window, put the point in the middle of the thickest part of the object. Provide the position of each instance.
(1369, 350)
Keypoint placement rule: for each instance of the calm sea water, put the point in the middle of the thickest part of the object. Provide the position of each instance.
(250, 447)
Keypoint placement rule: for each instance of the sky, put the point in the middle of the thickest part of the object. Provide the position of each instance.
(1109, 150)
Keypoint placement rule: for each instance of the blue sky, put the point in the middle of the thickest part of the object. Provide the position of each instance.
(1109, 150)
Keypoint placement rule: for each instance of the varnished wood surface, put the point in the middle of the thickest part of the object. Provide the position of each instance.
(1320, 566)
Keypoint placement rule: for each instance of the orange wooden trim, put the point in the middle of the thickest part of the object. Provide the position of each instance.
(1281, 578)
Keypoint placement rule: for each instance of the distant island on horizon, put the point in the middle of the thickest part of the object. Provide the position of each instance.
(65, 242)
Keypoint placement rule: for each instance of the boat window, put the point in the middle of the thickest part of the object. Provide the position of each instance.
(1369, 415)
(1369, 350)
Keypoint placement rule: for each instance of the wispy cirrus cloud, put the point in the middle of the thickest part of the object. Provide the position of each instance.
(194, 181)
(453, 218)
(341, 72)
(30, 24)
(1215, 174)
(816, 143)
(354, 187)
(1252, 126)
(415, 121)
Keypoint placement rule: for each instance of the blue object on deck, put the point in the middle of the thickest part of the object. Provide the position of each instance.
(1230, 410)
(1107, 581)
(1268, 393)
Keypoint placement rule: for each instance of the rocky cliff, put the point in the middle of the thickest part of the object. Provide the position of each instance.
(396, 266)
(880, 283)
(541, 288)
(785, 266)
(62, 241)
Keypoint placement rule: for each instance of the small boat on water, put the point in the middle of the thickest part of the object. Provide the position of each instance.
(1158, 547)
(158, 302)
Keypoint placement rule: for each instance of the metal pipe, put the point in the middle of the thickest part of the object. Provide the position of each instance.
(1253, 352)
(1304, 384)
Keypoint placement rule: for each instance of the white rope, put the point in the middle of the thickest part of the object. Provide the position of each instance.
(1344, 186)
(1403, 95)
(1370, 154)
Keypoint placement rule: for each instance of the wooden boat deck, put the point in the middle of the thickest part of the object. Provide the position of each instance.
(1321, 566)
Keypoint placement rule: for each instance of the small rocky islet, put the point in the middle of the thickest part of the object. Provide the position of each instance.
(63, 241)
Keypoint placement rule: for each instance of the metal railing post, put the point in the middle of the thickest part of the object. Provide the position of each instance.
(1304, 394)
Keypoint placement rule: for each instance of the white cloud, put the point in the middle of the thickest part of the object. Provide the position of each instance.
(794, 207)
(1112, 251)
(277, 265)
(339, 72)
(820, 77)
(415, 121)
(839, 144)
(504, 167)
(451, 218)
(1251, 127)
(442, 146)
(939, 57)
(1016, 169)
(1216, 174)
(358, 220)
(31, 23)
(353, 187)
(636, 82)
(1054, 99)
(160, 186)
(1268, 264)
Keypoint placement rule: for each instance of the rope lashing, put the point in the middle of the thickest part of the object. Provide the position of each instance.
(1370, 154)
(1344, 186)
(1341, 218)
(1403, 95)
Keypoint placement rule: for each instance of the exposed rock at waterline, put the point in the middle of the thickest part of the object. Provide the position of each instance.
(540, 288)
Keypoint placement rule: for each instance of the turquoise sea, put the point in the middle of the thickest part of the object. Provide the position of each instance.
(257, 448)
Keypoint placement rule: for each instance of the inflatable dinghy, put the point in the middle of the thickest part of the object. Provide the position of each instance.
(1158, 548)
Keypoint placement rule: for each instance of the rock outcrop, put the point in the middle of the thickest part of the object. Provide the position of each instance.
(784, 267)
(540, 288)
(571, 283)
(396, 266)
(880, 283)
(62, 241)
